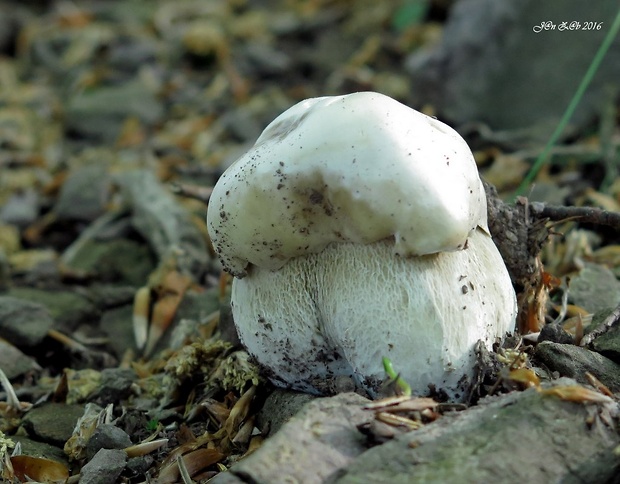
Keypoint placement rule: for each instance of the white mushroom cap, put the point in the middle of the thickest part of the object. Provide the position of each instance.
(357, 168)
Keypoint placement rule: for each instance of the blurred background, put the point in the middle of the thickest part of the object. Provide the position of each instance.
(192, 83)
(116, 118)
(109, 110)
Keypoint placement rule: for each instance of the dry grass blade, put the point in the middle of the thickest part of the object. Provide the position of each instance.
(403, 404)
(141, 308)
(576, 394)
(239, 412)
(187, 479)
(145, 447)
(596, 383)
(67, 341)
(386, 402)
(11, 397)
(192, 191)
(415, 405)
(398, 421)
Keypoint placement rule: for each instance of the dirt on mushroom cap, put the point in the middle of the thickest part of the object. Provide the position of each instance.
(356, 168)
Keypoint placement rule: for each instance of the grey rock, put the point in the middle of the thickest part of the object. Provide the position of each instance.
(193, 309)
(115, 385)
(84, 194)
(105, 296)
(100, 113)
(67, 308)
(315, 444)
(21, 208)
(608, 344)
(131, 54)
(242, 125)
(40, 449)
(121, 260)
(279, 408)
(23, 323)
(107, 436)
(117, 325)
(556, 333)
(52, 422)
(230, 478)
(603, 466)
(164, 223)
(226, 325)
(491, 66)
(595, 288)
(138, 466)
(13, 362)
(573, 361)
(104, 468)
(197, 305)
(5, 270)
(266, 60)
(518, 437)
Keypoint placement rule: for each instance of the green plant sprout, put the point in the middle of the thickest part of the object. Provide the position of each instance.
(585, 82)
(152, 425)
(410, 12)
(389, 370)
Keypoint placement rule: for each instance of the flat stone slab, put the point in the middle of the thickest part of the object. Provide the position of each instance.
(528, 436)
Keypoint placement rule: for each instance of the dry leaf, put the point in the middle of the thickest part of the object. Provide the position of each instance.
(525, 376)
(38, 469)
(576, 394)
(194, 461)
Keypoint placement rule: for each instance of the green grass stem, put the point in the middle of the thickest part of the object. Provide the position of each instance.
(585, 82)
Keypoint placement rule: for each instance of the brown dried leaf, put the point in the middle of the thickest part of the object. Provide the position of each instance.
(608, 255)
(596, 383)
(386, 402)
(533, 300)
(576, 394)
(398, 421)
(403, 404)
(194, 461)
(245, 432)
(145, 447)
(507, 171)
(602, 200)
(38, 469)
(239, 412)
(525, 376)
(217, 410)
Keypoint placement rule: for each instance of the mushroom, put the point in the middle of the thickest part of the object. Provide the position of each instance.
(356, 229)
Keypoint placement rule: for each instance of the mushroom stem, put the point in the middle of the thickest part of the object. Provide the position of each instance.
(352, 304)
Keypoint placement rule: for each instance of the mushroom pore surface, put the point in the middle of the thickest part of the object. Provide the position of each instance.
(339, 312)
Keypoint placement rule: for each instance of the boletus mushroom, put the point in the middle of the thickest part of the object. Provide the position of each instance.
(356, 229)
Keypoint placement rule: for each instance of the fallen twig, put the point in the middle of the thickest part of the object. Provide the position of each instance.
(591, 215)
(609, 322)
(192, 191)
